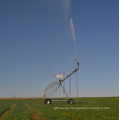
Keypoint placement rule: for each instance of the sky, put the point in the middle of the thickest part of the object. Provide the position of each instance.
(37, 41)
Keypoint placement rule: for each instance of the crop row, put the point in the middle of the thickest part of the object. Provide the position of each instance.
(5, 105)
(45, 112)
(87, 108)
(19, 112)
(28, 109)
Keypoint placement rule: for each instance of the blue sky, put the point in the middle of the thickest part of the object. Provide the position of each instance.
(37, 33)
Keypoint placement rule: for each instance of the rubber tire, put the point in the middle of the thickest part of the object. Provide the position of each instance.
(70, 101)
(47, 101)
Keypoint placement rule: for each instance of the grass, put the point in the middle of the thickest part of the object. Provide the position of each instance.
(94, 108)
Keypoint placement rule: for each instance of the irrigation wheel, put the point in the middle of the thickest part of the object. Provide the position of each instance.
(47, 101)
(70, 101)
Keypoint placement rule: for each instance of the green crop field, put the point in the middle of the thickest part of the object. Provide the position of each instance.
(94, 108)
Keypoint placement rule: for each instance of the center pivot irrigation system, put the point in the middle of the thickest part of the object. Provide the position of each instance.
(53, 87)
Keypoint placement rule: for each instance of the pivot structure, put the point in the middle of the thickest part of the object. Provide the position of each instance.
(53, 87)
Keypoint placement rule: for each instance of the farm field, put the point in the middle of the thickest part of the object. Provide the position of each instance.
(88, 108)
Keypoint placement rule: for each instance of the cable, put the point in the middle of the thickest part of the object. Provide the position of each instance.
(70, 87)
(77, 85)
(64, 87)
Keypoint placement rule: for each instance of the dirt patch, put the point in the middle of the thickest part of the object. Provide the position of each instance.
(33, 115)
